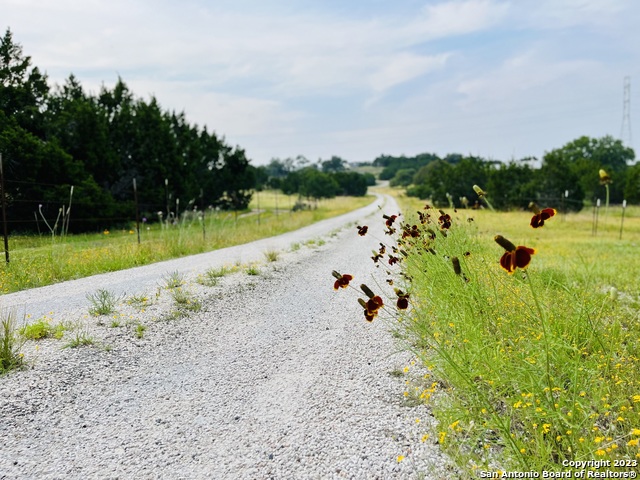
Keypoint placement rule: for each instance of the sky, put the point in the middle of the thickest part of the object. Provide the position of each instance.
(499, 79)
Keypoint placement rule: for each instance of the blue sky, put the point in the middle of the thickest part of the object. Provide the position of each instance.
(495, 78)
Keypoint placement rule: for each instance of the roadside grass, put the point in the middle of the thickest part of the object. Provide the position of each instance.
(173, 280)
(185, 300)
(525, 370)
(212, 276)
(37, 261)
(10, 342)
(102, 302)
(79, 338)
(271, 255)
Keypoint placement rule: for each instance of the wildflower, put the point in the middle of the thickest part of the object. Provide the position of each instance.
(444, 220)
(106, 232)
(362, 231)
(400, 458)
(540, 215)
(342, 281)
(456, 265)
(374, 304)
(403, 299)
(514, 257)
(605, 179)
(389, 219)
(481, 193)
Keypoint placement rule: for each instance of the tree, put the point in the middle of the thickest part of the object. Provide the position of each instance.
(585, 156)
(632, 185)
(350, 183)
(23, 89)
(335, 164)
(317, 185)
(403, 177)
(433, 181)
(557, 177)
(511, 185)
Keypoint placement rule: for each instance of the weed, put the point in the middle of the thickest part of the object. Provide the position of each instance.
(80, 339)
(252, 270)
(10, 342)
(42, 328)
(140, 329)
(272, 255)
(115, 324)
(173, 280)
(140, 300)
(185, 300)
(212, 276)
(295, 246)
(103, 302)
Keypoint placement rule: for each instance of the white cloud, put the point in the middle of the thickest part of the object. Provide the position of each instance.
(404, 67)
(459, 18)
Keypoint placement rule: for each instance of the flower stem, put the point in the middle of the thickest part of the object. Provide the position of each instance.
(543, 324)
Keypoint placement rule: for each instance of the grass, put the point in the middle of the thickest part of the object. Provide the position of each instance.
(103, 302)
(185, 300)
(525, 370)
(10, 342)
(212, 276)
(271, 255)
(140, 300)
(37, 261)
(140, 329)
(80, 338)
(252, 270)
(173, 280)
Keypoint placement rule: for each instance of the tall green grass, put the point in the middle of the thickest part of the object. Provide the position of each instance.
(37, 261)
(528, 371)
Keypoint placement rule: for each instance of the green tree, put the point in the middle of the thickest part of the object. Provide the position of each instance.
(335, 164)
(23, 89)
(433, 181)
(403, 177)
(632, 184)
(511, 186)
(585, 156)
(317, 185)
(350, 183)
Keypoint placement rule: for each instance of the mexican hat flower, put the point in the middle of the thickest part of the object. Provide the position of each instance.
(514, 257)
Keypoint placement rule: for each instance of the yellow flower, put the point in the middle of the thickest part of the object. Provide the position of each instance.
(632, 443)
(425, 438)
(635, 431)
(400, 458)
(600, 452)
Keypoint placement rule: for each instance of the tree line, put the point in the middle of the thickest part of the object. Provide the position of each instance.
(52, 139)
(63, 146)
(567, 177)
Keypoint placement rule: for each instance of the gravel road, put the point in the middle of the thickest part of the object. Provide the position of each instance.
(277, 376)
